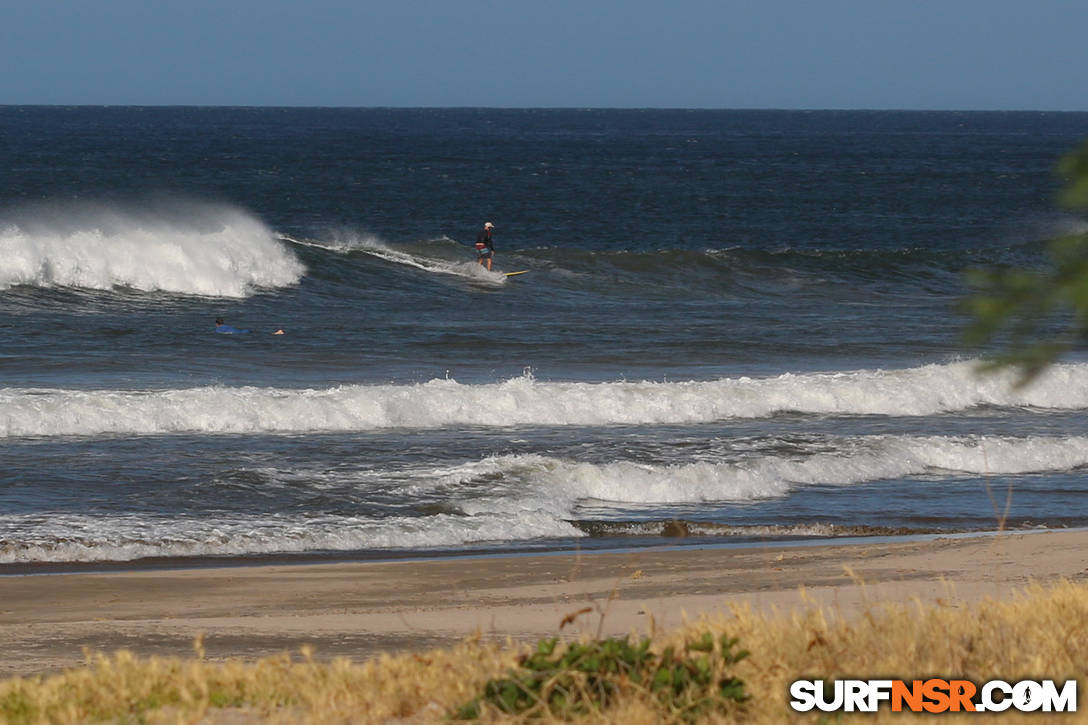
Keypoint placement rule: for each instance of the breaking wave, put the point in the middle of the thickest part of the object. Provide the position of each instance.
(524, 401)
(561, 482)
(179, 247)
(528, 497)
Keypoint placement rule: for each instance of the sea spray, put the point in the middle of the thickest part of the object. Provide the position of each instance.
(181, 247)
(352, 243)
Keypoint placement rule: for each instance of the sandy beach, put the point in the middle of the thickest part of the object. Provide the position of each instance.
(357, 610)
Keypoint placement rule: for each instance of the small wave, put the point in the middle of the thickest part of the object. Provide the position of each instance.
(720, 270)
(680, 528)
(74, 538)
(411, 258)
(524, 401)
(527, 497)
(742, 271)
(755, 477)
(185, 248)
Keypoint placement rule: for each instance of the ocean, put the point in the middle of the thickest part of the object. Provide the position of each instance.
(734, 327)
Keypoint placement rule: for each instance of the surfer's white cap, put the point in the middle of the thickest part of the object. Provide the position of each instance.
(488, 225)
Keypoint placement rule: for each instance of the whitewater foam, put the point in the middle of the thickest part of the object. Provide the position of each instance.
(72, 538)
(524, 401)
(378, 249)
(560, 483)
(186, 248)
(522, 497)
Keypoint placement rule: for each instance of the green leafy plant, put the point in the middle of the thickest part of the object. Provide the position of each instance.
(1015, 305)
(591, 676)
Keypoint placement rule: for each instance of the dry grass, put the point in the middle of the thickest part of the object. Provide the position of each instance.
(1038, 634)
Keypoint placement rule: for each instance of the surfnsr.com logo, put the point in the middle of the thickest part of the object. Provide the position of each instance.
(933, 695)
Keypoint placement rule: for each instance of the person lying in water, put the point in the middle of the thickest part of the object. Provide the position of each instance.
(224, 329)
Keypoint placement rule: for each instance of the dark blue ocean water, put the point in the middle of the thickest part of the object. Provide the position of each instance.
(744, 320)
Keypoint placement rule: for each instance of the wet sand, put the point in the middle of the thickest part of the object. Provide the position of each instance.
(357, 610)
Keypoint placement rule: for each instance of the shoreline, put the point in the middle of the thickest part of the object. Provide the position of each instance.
(656, 543)
(361, 609)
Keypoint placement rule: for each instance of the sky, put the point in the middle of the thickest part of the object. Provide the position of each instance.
(782, 54)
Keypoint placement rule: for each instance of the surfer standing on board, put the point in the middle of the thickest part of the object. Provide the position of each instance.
(484, 248)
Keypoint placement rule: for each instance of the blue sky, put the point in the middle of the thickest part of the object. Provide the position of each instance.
(880, 54)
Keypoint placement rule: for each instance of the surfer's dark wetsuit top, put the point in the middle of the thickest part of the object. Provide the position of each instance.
(484, 247)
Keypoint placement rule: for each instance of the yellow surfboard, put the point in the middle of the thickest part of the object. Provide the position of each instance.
(514, 274)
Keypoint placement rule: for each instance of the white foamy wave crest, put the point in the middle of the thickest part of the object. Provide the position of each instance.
(186, 248)
(531, 496)
(524, 401)
(469, 270)
(73, 538)
(559, 483)
(374, 247)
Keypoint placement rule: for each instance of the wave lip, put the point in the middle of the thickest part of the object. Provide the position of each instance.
(524, 401)
(410, 258)
(184, 248)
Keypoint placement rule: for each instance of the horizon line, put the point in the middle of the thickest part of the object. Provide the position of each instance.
(752, 109)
